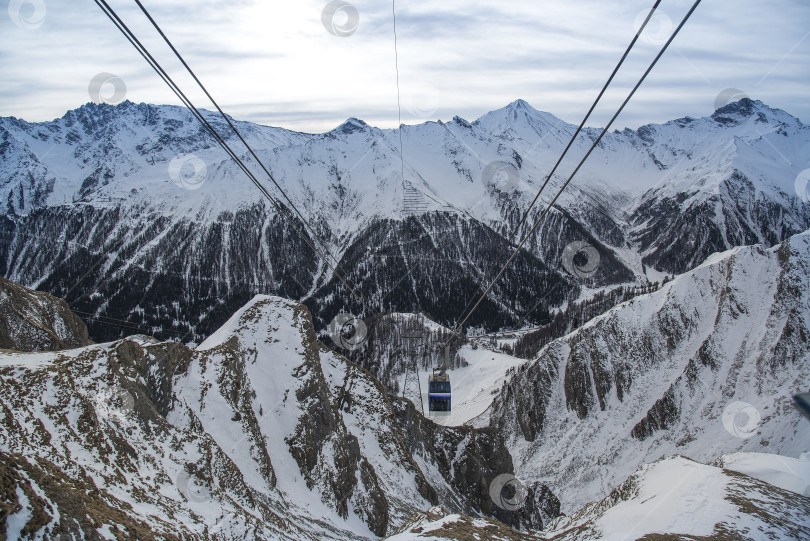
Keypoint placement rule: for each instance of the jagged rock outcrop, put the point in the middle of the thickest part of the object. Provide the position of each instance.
(463, 462)
(36, 321)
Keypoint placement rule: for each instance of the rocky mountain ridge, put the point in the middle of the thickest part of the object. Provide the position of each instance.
(259, 432)
(706, 365)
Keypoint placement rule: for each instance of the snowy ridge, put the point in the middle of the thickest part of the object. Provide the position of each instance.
(260, 432)
(683, 498)
(684, 370)
(674, 498)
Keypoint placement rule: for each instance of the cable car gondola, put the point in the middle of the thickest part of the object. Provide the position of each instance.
(439, 392)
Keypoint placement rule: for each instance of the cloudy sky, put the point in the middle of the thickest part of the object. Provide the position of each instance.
(284, 63)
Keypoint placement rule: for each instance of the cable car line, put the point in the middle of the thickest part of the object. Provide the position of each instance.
(238, 134)
(443, 380)
(593, 146)
(511, 237)
(113, 16)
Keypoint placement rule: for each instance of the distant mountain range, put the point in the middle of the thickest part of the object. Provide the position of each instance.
(135, 215)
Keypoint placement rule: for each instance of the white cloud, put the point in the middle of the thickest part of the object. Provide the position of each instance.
(273, 62)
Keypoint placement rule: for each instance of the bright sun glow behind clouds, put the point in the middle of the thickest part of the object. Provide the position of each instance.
(275, 63)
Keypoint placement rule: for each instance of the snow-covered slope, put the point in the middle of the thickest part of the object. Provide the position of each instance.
(673, 498)
(682, 499)
(94, 203)
(260, 432)
(788, 473)
(704, 366)
(437, 524)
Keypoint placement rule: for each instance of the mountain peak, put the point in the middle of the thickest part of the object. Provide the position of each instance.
(351, 125)
(520, 104)
(519, 117)
(747, 108)
(744, 107)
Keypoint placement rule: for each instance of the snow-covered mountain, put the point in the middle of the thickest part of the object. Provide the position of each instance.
(258, 433)
(133, 213)
(704, 366)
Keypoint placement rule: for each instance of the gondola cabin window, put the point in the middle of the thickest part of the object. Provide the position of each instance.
(439, 393)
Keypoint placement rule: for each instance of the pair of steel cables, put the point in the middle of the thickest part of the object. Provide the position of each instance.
(470, 308)
(326, 255)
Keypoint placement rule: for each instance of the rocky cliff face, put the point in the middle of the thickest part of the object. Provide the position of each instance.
(35, 321)
(259, 432)
(705, 365)
(463, 463)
